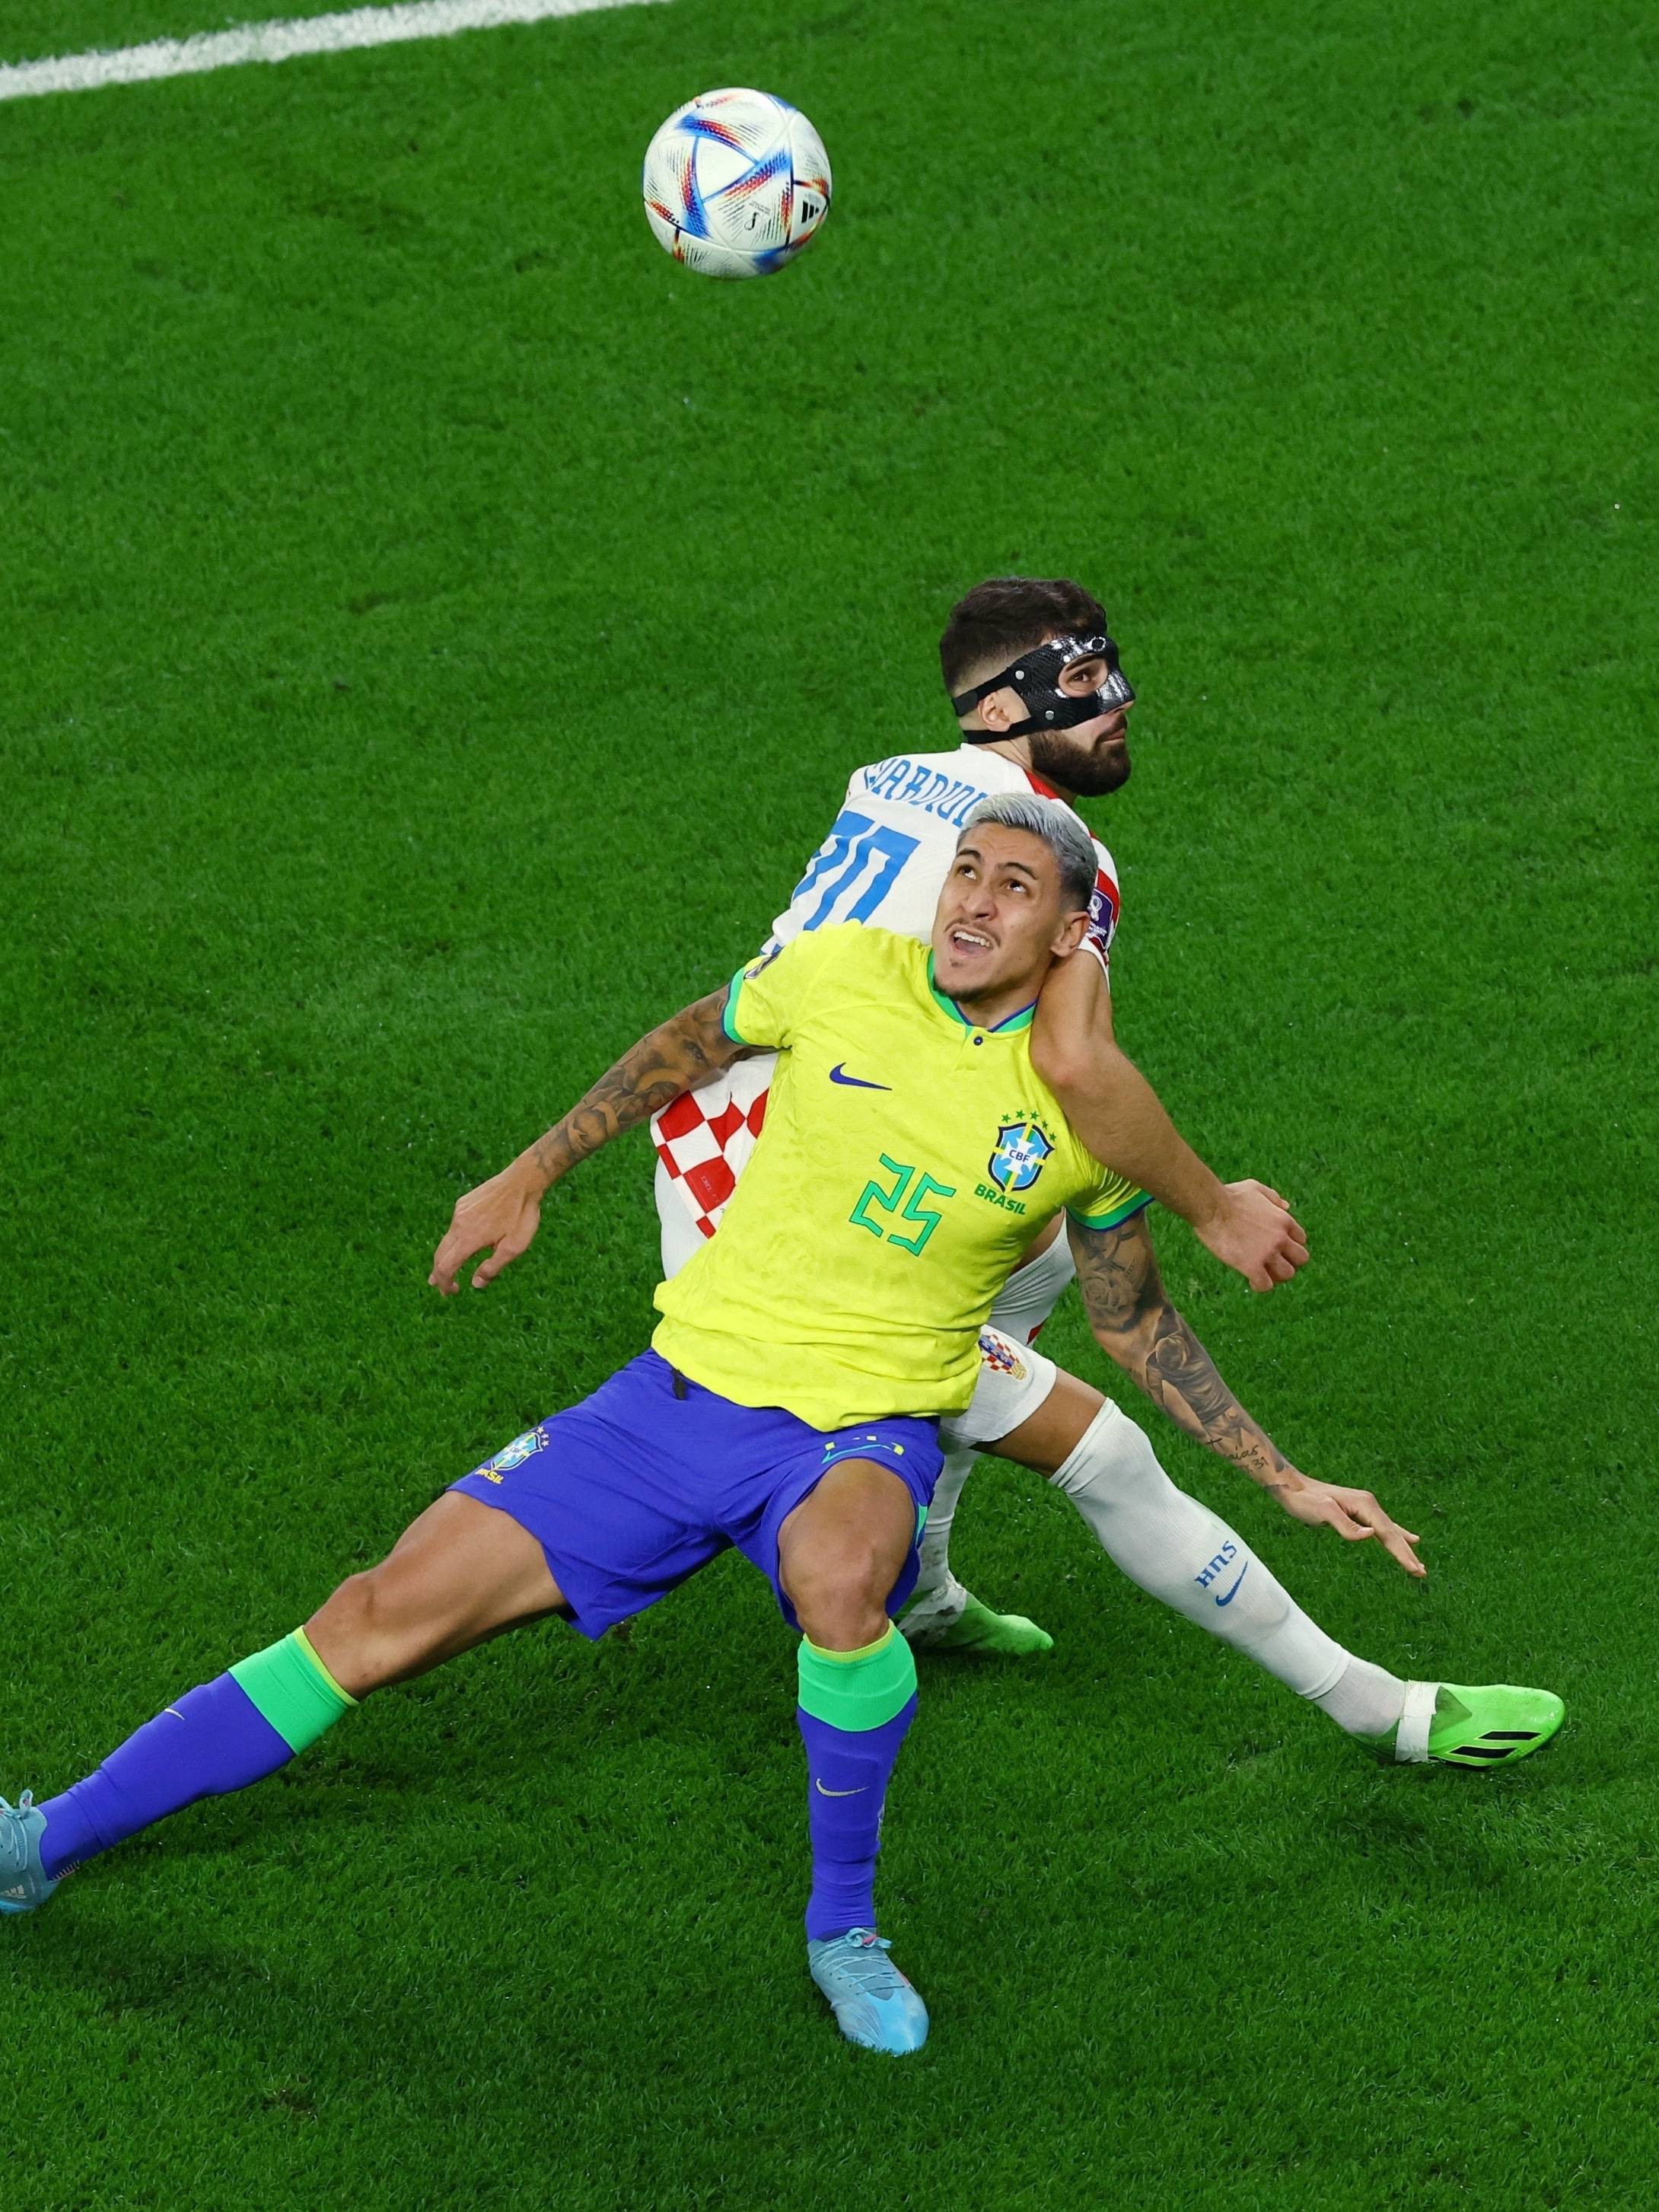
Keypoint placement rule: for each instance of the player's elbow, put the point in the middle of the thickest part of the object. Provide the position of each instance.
(1067, 1063)
(1116, 1346)
(1129, 1348)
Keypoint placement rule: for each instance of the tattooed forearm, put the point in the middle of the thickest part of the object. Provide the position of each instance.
(1178, 1373)
(1132, 1318)
(685, 1053)
(1117, 1274)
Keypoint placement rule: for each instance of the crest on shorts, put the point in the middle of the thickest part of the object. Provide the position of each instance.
(514, 1454)
(1018, 1161)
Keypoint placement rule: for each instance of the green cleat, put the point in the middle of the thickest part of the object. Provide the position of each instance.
(1448, 1724)
(988, 1635)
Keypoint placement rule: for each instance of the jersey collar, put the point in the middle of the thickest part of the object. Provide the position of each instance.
(1043, 788)
(1007, 1027)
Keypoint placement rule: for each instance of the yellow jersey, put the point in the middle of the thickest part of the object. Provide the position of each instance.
(909, 1158)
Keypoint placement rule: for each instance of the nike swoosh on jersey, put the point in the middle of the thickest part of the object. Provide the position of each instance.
(838, 1074)
(1233, 1592)
(818, 1786)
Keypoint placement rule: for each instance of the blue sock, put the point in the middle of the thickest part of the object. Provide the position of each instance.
(848, 1773)
(213, 1739)
(225, 1735)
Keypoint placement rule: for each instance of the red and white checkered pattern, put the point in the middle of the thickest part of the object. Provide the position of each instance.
(705, 1138)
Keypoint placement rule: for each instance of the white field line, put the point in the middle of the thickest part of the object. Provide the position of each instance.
(280, 42)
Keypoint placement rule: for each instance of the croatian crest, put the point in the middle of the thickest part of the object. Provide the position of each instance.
(1022, 1148)
(997, 1353)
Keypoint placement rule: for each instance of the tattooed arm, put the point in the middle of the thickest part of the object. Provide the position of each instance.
(504, 1214)
(1131, 1314)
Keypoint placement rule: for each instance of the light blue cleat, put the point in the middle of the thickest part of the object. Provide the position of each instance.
(873, 2003)
(23, 1881)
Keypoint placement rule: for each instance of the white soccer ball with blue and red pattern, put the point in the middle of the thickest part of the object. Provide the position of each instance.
(736, 183)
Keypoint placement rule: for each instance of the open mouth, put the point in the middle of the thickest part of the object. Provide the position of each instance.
(966, 943)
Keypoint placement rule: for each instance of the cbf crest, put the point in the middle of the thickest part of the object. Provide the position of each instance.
(1022, 1148)
(514, 1455)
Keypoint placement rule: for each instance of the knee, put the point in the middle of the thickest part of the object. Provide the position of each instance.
(838, 1590)
(851, 1572)
(364, 1625)
(357, 1599)
(1112, 1461)
(390, 1603)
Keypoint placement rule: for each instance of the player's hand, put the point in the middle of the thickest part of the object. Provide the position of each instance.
(500, 1217)
(1354, 1514)
(1256, 1232)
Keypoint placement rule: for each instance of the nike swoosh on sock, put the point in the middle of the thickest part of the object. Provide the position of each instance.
(1233, 1592)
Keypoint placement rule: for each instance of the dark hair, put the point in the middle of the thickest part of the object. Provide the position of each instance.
(1007, 615)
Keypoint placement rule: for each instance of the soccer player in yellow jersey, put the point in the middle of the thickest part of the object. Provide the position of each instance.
(943, 1153)
(789, 1405)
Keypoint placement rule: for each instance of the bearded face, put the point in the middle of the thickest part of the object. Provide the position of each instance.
(1091, 759)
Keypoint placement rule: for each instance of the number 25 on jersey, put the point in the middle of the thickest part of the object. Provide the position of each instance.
(925, 1219)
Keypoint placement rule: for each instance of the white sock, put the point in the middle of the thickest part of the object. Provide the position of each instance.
(1366, 1700)
(939, 1597)
(1177, 1550)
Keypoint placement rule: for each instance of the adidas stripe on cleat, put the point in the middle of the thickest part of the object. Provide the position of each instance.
(1493, 1724)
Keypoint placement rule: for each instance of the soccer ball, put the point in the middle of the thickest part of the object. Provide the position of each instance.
(736, 183)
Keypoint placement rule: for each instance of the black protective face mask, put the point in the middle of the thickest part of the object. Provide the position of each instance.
(1035, 677)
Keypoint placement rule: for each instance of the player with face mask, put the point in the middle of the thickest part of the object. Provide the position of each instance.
(1033, 675)
(1034, 678)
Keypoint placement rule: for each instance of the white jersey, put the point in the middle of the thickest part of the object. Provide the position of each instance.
(885, 861)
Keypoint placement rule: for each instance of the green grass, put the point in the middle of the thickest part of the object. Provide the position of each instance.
(437, 631)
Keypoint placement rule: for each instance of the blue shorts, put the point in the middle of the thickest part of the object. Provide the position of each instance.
(632, 1490)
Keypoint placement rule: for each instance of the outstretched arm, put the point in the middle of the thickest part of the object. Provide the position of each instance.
(1131, 1314)
(1118, 1115)
(502, 1215)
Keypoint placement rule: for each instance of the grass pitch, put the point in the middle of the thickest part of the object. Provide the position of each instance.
(437, 630)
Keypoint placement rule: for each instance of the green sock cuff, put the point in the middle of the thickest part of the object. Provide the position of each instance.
(858, 1689)
(292, 1689)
